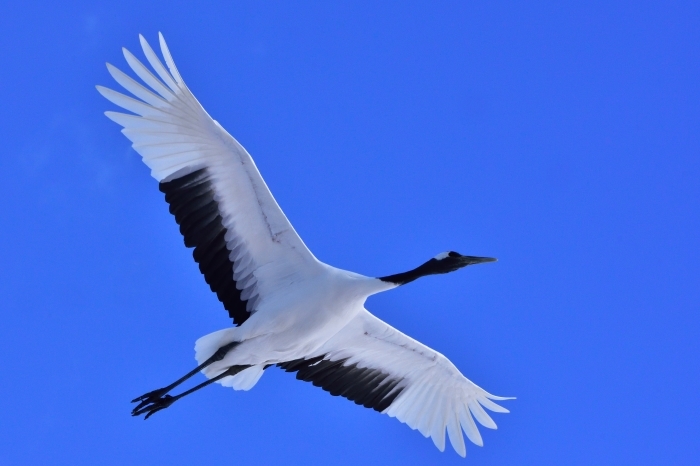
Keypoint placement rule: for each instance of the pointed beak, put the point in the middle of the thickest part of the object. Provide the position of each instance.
(472, 260)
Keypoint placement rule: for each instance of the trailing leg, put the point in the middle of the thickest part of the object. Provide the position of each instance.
(155, 395)
(163, 402)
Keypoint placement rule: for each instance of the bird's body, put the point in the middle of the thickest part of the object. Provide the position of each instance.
(317, 308)
(290, 309)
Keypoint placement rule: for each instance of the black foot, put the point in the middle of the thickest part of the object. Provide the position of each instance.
(148, 398)
(151, 407)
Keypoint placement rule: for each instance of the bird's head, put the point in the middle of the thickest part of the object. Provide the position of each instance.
(450, 261)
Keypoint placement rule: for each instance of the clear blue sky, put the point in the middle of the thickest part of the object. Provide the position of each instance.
(561, 138)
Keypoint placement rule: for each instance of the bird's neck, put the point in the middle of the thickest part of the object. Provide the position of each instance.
(407, 277)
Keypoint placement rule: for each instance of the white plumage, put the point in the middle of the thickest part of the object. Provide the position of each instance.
(292, 309)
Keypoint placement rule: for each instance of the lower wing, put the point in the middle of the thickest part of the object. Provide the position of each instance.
(375, 365)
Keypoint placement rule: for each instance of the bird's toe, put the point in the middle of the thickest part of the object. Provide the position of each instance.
(151, 407)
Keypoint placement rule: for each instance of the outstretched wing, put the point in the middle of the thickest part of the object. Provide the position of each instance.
(244, 244)
(375, 365)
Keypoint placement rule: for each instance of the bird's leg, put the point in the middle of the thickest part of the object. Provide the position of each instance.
(166, 400)
(154, 395)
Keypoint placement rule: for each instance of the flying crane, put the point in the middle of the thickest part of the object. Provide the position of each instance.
(289, 309)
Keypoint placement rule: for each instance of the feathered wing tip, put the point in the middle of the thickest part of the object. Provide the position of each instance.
(146, 76)
(166, 127)
(169, 59)
(169, 84)
(424, 410)
(172, 79)
(157, 64)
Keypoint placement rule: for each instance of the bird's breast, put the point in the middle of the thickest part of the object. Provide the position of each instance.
(301, 320)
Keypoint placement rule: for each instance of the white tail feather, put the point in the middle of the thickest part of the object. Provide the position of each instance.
(207, 345)
(244, 380)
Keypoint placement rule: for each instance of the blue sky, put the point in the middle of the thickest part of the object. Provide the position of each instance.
(560, 138)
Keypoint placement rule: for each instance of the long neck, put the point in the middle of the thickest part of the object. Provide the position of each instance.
(407, 277)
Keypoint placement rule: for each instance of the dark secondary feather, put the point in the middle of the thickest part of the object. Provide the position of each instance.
(191, 199)
(370, 388)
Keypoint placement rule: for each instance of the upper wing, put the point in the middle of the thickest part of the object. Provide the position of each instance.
(244, 244)
(375, 365)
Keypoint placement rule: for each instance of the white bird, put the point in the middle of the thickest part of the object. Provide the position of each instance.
(290, 309)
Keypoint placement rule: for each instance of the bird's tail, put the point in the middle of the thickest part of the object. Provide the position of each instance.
(207, 345)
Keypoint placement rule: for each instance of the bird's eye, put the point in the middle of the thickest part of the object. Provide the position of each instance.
(453, 254)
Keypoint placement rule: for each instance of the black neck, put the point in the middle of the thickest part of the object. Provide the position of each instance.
(407, 277)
